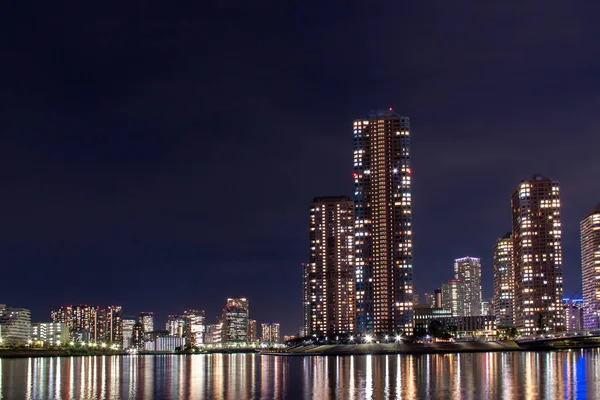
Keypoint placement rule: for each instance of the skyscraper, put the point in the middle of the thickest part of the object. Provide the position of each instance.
(329, 286)
(383, 223)
(82, 321)
(504, 282)
(195, 326)
(251, 330)
(590, 268)
(467, 270)
(235, 321)
(537, 256)
(147, 319)
(453, 296)
(175, 325)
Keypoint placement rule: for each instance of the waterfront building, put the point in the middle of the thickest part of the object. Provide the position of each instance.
(175, 325)
(383, 223)
(235, 320)
(15, 325)
(81, 319)
(194, 327)
(504, 281)
(128, 324)
(137, 339)
(424, 314)
(270, 333)
(49, 333)
(467, 271)
(214, 334)
(165, 343)
(147, 319)
(590, 268)
(573, 309)
(537, 241)
(111, 323)
(252, 330)
(329, 288)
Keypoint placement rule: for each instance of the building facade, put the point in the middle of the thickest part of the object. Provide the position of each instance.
(252, 330)
(128, 324)
(195, 326)
(175, 325)
(235, 320)
(330, 277)
(537, 243)
(573, 311)
(467, 271)
(383, 223)
(453, 296)
(214, 334)
(147, 319)
(82, 321)
(590, 268)
(270, 333)
(504, 282)
(49, 333)
(15, 325)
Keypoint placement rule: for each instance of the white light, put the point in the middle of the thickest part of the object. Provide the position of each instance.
(368, 338)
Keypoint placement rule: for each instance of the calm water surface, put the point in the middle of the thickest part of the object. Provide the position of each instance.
(517, 375)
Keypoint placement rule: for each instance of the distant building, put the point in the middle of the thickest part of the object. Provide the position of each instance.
(467, 270)
(15, 325)
(128, 324)
(147, 319)
(437, 303)
(424, 314)
(270, 333)
(214, 334)
(453, 296)
(428, 299)
(415, 299)
(487, 307)
(49, 333)
(235, 321)
(574, 311)
(590, 271)
(175, 325)
(251, 330)
(504, 281)
(137, 339)
(110, 324)
(195, 327)
(165, 344)
(329, 286)
(383, 223)
(82, 321)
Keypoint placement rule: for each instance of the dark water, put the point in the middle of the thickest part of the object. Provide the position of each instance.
(546, 375)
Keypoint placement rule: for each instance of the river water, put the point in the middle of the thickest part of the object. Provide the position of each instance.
(512, 375)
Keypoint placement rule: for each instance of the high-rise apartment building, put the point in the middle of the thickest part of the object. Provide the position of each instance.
(147, 319)
(590, 268)
(235, 320)
(82, 321)
(573, 312)
(467, 271)
(329, 277)
(270, 333)
(110, 323)
(453, 296)
(383, 223)
(537, 237)
(504, 282)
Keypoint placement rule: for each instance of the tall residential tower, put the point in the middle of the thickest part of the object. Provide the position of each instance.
(383, 223)
(504, 282)
(467, 271)
(590, 268)
(538, 256)
(329, 276)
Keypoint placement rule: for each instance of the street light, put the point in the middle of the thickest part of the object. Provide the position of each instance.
(368, 338)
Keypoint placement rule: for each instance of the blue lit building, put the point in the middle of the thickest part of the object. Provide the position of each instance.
(383, 223)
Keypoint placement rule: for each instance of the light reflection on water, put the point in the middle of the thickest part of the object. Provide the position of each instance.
(568, 374)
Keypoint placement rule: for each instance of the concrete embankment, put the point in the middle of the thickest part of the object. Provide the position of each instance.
(433, 348)
(23, 353)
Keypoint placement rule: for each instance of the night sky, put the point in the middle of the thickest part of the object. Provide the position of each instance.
(163, 157)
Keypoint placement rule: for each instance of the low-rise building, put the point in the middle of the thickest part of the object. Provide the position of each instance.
(15, 325)
(49, 333)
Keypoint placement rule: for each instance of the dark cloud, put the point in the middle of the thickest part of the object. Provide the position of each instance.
(163, 157)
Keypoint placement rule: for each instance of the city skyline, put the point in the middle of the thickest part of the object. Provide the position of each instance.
(144, 169)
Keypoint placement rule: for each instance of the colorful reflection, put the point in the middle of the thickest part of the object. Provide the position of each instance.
(525, 375)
